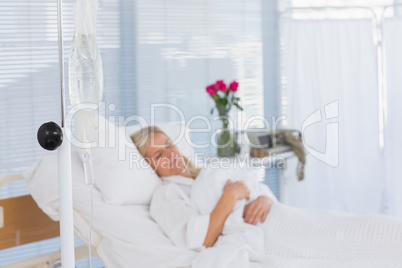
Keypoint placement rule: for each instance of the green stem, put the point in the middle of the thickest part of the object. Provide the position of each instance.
(225, 121)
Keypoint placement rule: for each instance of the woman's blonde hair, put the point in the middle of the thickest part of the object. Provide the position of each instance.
(141, 139)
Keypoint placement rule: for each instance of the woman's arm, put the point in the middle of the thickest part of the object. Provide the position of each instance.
(173, 211)
(232, 191)
(218, 218)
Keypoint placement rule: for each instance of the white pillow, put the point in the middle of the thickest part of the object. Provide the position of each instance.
(121, 174)
(124, 181)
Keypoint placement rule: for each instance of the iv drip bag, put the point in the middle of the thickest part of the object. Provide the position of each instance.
(85, 63)
(85, 79)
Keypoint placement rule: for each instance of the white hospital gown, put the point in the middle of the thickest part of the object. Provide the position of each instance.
(179, 208)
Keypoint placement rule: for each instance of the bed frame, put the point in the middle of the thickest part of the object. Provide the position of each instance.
(23, 222)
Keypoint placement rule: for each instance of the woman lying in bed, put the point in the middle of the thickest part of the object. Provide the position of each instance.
(199, 208)
(177, 204)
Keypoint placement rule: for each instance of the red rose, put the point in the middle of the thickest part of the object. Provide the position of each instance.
(211, 90)
(233, 86)
(220, 85)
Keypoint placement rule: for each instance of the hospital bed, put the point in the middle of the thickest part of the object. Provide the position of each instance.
(124, 235)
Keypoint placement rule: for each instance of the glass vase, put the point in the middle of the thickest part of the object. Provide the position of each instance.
(225, 140)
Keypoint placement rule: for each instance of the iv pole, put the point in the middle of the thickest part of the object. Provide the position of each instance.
(50, 137)
(64, 164)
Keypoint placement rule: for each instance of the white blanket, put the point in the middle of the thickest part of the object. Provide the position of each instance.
(298, 238)
(291, 237)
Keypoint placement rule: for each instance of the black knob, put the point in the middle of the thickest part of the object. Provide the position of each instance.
(50, 136)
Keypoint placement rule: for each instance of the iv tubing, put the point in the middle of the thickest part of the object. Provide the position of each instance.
(90, 227)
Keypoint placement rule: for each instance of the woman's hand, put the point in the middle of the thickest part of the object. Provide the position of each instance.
(237, 188)
(257, 210)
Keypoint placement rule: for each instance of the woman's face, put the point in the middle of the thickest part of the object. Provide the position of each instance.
(163, 156)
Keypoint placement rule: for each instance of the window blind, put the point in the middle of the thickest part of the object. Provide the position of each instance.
(180, 48)
(183, 46)
(29, 72)
(30, 91)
